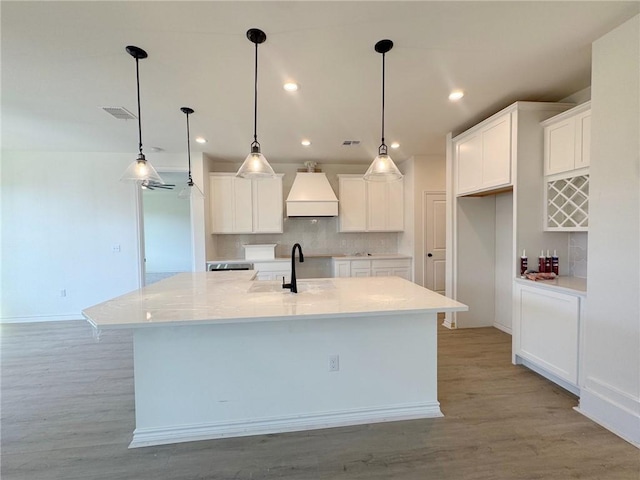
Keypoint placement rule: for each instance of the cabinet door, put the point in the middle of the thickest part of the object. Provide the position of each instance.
(403, 272)
(548, 325)
(395, 206)
(360, 268)
(468, 163)
(341, 268)
(267, 205)
(231, 206)
(377, 206)
(496, 153)
(385, 206)
(352, 204)
(583, 139)
(559, 146)
(221, 204)
(242, 205)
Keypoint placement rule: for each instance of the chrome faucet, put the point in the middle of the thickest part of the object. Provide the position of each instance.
(293, 286)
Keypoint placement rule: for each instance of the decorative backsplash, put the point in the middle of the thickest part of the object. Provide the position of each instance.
(578, 254)
(318, 236)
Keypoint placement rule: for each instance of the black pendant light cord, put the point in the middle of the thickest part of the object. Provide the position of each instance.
(382, 150)
(139, 116)
(190, 182)
(255, 103)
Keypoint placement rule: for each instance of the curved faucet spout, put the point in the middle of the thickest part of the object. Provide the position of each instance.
(293, 286)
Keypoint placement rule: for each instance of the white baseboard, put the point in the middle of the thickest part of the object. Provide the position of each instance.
(42, 318)
(570, 387)
(616, 411)
(448, 324)
(145, 437)
(502, 328)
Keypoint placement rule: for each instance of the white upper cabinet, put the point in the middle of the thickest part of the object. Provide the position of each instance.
(239, 205)
(385, 201)
(567, 140)
(352, 204)
(482, 156)
(370, 206)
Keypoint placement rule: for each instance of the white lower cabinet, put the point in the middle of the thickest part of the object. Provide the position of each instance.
(547, 333)
(384, 267)
(273, 270)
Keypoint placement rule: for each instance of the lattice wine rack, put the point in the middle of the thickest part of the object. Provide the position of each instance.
(568, 204)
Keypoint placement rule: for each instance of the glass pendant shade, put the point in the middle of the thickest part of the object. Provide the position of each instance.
(382, 169)
(255, 166)
(140, 170)
(191, 190)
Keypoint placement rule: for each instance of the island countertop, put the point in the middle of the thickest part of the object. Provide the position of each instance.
(233, 297)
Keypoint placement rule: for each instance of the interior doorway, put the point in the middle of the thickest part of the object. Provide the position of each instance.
(166, 230)
(435, 258)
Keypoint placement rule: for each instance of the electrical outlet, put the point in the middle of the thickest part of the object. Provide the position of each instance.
(334, 363)
(116, 248)
(63, 292)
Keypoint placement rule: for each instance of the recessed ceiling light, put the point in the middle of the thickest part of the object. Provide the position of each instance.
(201, 140)
(395, 145)
(456, 95)
(291, 87)
(156, 149)
(305, 142)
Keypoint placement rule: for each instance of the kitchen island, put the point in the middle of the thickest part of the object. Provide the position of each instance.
(219, 355)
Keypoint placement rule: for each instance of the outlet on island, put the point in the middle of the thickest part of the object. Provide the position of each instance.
(334, 363)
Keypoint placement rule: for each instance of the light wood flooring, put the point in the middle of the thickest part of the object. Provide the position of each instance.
(68, 413)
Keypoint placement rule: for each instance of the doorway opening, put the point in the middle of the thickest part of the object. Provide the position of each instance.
(166, 226)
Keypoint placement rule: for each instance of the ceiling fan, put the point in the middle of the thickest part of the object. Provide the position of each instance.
(152, 185)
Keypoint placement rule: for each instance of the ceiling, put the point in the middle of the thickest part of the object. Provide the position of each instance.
(62, 61)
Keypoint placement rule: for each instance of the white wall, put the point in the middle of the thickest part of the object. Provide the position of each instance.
(611, 391)
(62, 215)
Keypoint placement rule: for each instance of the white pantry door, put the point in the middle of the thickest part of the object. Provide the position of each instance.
(435, 258)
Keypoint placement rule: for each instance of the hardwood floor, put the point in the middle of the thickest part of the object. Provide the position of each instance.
(68, 413)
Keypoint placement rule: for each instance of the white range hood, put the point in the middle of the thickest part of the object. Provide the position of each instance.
(311, 195)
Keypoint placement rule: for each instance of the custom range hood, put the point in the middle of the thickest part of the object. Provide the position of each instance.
(311, 195)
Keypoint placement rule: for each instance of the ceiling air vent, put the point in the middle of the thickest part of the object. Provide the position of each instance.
(351, 143)
(120, 113)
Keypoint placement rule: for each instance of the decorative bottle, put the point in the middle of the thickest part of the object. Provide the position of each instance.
(542, 262)
(547, 263)
(554, 263)
(524, 263)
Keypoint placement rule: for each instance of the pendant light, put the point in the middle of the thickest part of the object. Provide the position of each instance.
(255, 165)
(140, 170)
(191, 190)
(383, 169)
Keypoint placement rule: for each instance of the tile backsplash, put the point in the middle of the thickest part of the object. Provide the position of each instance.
(318, 236)
(578, 254)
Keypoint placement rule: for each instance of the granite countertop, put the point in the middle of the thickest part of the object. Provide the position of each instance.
(232, 297)
(567, 284)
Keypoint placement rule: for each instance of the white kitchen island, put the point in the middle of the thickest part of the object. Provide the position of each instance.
(219, 355)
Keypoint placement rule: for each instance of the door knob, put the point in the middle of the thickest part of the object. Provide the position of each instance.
(429, 255)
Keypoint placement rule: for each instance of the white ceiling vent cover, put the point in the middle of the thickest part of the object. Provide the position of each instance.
(120, 113)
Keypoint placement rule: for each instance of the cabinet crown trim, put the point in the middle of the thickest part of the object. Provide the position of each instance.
(583, 107)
